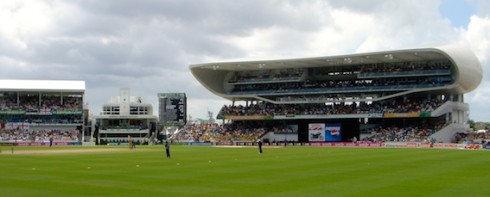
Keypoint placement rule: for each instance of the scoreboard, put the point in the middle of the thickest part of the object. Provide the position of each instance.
(172, 108)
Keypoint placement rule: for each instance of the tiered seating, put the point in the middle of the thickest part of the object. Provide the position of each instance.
(216, 133)
(38, 136)
(367, 77)
(30, 109)
(30, 103)
(389, 106)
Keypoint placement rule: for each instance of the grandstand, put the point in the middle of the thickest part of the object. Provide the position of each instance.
(400, 95)
(125, 116)
(35, 111)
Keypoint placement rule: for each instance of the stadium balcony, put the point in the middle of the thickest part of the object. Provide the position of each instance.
(415, 73)
(282, 75)
(267, 80)
(287, 89)
(388, 106)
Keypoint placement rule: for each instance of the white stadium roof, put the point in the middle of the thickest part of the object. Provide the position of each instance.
(42, 85)
(468, 71)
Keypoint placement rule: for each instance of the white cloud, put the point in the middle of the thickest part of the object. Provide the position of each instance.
(148, 45)
(478, 37)
(23, 22)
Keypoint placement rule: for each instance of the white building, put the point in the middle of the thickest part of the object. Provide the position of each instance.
(124, 116)
(38, 109)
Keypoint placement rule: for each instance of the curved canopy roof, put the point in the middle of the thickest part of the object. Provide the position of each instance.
(468, 70)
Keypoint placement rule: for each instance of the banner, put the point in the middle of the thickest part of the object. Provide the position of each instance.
(61, 112)
(321, 132)
(47, 143)
(333, 133)
(351, 144)
(425, 114)
(402, 115)
(316, 132)
(252, 117)
(12, 112)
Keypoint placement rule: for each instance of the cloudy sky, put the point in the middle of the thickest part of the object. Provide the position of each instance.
(148, 45)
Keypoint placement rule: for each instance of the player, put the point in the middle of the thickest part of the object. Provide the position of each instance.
(167, 149)
(260, 146)
(130, 142)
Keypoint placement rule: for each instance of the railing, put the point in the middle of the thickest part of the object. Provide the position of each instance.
(268, 79)
(335, 89)
(403, 73)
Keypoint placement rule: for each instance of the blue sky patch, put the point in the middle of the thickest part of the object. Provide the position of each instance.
(457, 11)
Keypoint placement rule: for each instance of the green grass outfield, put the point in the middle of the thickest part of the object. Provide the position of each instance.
(213, 171)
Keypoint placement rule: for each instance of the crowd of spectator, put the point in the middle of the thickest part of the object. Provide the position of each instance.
(120, 141)
(238, 132)
(418, 133)
(406, 67)
(472, 137)
(345, 85)
(266, 75)
(410, 74)
(385, 106)
(218, 132)
(32, 103)
(43, 119)
(253, 109)
(20, 135)
(45, 109)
